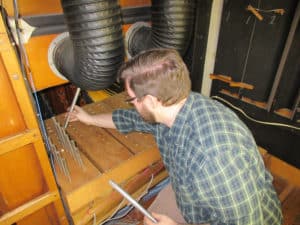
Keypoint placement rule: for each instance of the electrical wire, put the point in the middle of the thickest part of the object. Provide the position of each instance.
(252, 119)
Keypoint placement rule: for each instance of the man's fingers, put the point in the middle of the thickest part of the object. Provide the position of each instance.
(76, 108)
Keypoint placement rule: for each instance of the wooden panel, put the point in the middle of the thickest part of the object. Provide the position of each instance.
(104, 151)
(132, 3)
(22, 175)
(11, 116)
(134, 141)
(11, 64)
(100, 148)
(287, 185)
(16, 141)
(37, 51)
(291, 208)
(280, 169)
(117, 102)
(31, 7)
(98, 95)
(28, 208)
(78, 175)
(26, 180)
(40, 215)
(283, 169)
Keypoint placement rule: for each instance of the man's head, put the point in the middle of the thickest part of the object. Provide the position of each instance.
(160, 73)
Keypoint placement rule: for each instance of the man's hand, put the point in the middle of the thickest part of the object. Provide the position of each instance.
(103, 120)
(162, 220)
(78, 114)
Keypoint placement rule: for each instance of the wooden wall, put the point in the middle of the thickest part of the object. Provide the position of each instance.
(28, 191)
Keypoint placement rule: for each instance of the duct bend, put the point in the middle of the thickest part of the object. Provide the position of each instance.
(172, 27)
(92, 55)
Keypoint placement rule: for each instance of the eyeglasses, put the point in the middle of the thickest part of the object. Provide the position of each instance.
(129, 100)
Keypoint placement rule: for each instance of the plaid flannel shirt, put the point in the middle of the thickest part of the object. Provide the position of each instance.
(215, 168)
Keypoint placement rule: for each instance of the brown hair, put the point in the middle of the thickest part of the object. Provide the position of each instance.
(157, 72)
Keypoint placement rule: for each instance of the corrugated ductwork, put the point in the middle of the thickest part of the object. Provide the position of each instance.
(95, 30)
(94, 51)
(172, 27)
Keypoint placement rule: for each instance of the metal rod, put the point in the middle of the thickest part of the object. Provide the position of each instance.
(59, 133)
(296, 105)
(66, 169)
(132, 201)
(72, 106)
(77, 154)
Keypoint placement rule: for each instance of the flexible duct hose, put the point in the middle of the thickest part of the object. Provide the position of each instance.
(172, 27)
(95, 29)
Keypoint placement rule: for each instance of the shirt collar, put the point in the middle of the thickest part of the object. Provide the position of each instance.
(181, 118)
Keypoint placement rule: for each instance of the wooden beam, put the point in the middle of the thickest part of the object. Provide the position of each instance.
(29, 208)
(14, 142)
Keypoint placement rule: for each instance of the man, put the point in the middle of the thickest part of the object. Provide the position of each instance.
(215, 169)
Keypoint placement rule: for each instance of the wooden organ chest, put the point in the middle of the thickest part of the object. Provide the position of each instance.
(87, 157)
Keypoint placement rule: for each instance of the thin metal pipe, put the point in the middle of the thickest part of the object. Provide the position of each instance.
(72, 106)
(132, 201)
(296, 105)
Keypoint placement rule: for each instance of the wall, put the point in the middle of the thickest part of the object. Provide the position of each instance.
(256, 55)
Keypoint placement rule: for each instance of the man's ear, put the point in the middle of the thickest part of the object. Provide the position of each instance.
(151, 101)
